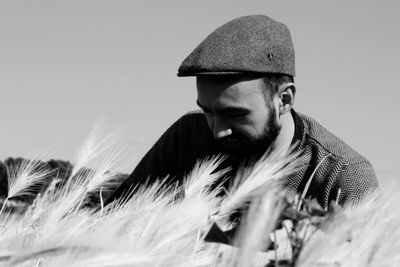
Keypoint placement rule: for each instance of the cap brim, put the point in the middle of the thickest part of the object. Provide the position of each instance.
(205, 73)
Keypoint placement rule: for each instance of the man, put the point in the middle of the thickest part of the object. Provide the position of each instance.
(244, 74)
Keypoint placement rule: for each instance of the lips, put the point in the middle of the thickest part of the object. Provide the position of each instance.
(231, 142)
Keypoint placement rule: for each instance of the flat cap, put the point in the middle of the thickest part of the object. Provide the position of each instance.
(249, 44)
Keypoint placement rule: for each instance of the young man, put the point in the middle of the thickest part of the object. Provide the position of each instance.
(244, 72)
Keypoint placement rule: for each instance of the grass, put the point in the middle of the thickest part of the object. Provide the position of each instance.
(155, 227)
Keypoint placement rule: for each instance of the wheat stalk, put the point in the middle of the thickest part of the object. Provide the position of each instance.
(251, 182)
(24, 177)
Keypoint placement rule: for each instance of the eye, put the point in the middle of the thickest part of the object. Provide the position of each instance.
(237, 115)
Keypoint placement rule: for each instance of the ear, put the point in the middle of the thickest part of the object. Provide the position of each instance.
(286, 95)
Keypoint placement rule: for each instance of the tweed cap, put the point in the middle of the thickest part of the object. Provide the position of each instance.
(249, 44)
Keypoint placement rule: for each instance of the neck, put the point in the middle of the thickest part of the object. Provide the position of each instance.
(283, 141)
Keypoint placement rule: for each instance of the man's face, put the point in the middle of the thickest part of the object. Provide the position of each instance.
(240, 116)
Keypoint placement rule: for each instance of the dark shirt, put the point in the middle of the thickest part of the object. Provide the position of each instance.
(189, 140)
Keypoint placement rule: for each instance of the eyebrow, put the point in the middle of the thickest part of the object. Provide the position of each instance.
(224, 110)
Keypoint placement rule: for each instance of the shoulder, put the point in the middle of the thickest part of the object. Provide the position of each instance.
(192, 120)
(336, 165)
(191, 125)
(317, 135)
(194, 116)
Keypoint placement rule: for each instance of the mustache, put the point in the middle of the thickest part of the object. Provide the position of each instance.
(235, 135)
(233, 139)
(233, 143)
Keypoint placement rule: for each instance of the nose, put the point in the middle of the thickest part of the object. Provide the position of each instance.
(220, 129)
(223, 133)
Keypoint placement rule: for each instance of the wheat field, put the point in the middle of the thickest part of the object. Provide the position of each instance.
(160, 226)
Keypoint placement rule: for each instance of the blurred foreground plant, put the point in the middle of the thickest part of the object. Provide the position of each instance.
(160, 226)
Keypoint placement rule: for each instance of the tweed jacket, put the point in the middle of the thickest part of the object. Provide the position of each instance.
(189, 140)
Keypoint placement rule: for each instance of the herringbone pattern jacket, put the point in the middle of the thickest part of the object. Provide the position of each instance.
(341, 169)
(342, 173)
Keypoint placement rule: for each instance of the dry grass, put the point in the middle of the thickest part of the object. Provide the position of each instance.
(155, 227)
(365, 235)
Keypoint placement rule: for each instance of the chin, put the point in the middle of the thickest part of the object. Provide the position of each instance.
(246, 150)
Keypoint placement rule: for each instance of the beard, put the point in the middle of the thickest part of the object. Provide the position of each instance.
(246, 149)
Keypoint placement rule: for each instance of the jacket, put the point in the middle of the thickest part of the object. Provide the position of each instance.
(340, 172)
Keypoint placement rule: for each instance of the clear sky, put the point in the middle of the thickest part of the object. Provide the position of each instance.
(66, 64)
